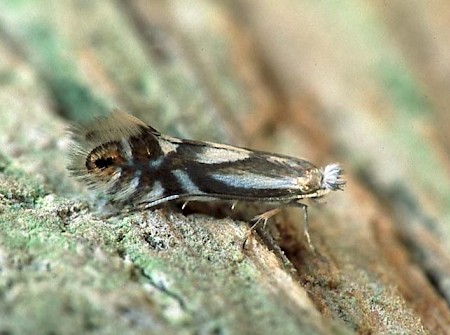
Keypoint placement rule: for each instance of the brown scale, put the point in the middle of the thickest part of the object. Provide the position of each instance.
(311, 180)
(145, 147)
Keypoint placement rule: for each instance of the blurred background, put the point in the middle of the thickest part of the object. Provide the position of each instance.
(363, 83)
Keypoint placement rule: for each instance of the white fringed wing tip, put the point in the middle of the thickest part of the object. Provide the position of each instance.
(332, 177)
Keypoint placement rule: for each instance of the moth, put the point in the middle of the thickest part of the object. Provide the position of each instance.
(132, 162)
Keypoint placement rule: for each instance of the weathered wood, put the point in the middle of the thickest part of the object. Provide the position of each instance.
(326, 80)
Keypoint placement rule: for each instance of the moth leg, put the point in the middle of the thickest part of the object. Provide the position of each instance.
(184, 205)
(264, 217)
(305, 223)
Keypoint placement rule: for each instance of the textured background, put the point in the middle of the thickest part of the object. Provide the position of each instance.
(365, 83)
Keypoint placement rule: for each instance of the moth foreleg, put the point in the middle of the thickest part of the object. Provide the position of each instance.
(264, 217)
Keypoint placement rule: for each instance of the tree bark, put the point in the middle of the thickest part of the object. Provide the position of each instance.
(364, 84)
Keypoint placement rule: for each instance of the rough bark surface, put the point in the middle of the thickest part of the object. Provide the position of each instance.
(364, 83)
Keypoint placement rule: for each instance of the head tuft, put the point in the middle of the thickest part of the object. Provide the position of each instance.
(332, 177)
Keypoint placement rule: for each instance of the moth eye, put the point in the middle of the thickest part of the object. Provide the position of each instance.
(103, 163)
(105, 160)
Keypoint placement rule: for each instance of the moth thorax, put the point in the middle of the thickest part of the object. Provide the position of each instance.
(310, 181)
(105, 160)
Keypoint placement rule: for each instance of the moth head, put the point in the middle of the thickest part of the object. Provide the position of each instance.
(104, 152)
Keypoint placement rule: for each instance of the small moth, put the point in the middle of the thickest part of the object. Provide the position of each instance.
(134, 163)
